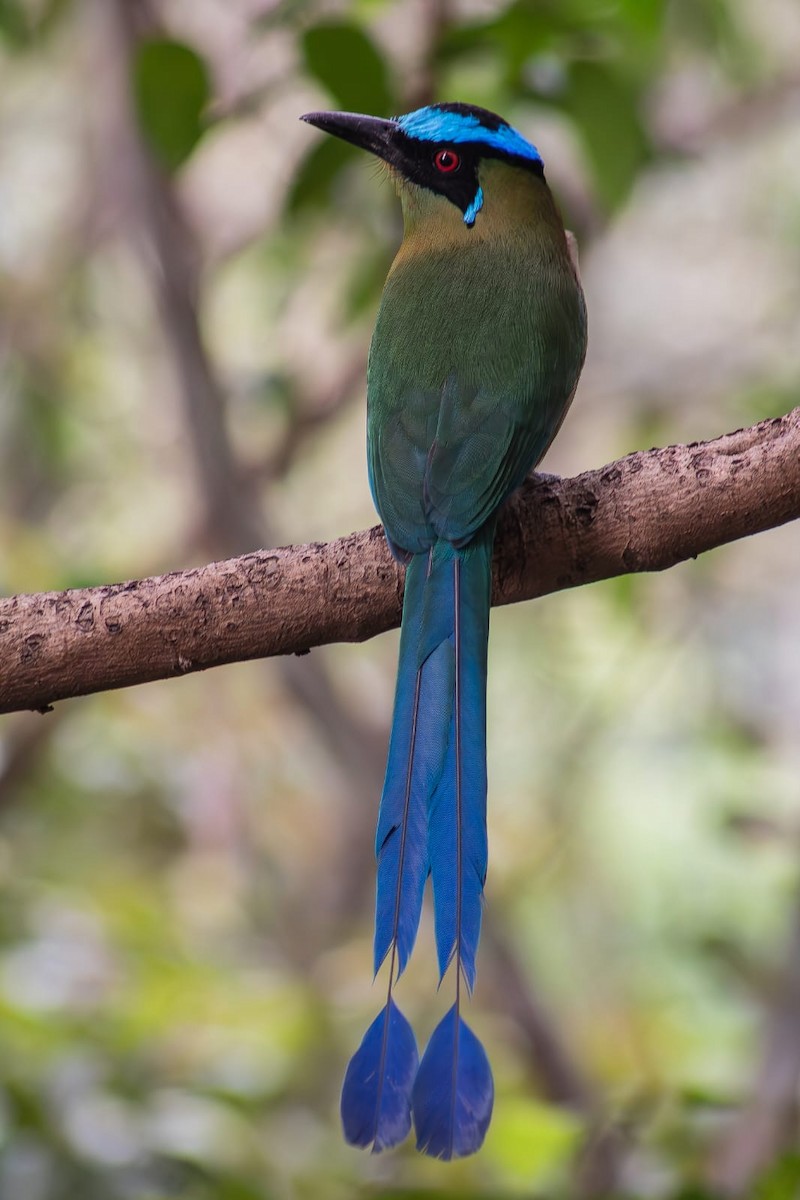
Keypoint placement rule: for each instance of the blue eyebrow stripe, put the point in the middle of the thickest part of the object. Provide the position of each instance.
(433, 125)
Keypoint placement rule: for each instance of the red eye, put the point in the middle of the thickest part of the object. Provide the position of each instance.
(446, 161)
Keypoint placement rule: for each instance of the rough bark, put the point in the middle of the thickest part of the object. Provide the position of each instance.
(645, 512)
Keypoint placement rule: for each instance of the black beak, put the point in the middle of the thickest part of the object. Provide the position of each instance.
(369, 133)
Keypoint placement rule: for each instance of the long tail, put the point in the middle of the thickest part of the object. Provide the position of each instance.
(453, 1091)
(432, 820)
(376, 1094)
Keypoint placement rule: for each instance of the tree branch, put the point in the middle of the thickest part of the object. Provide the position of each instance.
(644, 512)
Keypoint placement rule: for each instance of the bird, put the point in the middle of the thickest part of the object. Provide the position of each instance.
(478, 345)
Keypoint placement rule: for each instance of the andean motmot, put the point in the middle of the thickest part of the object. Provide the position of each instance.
(478, 345)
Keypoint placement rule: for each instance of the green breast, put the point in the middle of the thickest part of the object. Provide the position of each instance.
(474, 360)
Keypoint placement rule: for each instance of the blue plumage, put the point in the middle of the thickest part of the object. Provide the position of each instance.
(474, 207)
(432, 817)
(458, 592)
(401, 839)
(376, 1094)
(451, 123)
(454, 1092)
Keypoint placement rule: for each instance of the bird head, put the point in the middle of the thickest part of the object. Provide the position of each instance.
(458, 154)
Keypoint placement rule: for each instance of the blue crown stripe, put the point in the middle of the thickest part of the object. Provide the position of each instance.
(434, 125)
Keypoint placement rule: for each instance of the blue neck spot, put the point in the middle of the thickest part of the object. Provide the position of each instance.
(474, 208)
(436, 125)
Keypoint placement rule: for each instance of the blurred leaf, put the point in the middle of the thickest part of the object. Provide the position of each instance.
(782, 1181)
(314, 180)
(533, 45)
(629, 593)
(171, 90)
(348, 65)
(766, 398)
(529, 1139)
(699, 1096)
(51, 13)
(14, 25)
(712, 26)
(644, 16)
(604, 107)
(238, 1189)
(519, 33)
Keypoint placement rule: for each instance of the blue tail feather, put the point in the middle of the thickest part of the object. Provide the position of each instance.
(401, 838)
(375, 1103)
(457, 845)
(453, 1091)
(432, 819)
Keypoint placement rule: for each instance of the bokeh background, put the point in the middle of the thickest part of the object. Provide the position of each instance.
(188, 280)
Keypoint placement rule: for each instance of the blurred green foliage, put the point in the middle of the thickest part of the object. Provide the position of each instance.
(171, 88)
(13, 23)
(347, 63)
(24, 26)
(185, 868)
